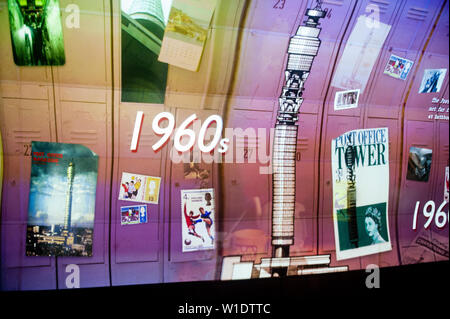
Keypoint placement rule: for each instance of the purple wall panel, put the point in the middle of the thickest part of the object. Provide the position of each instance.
(136, 256)
(180, 265)
(19, 128)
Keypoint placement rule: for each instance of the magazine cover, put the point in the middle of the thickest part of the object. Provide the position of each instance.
(360, 164)
(198, 218)
(61, 205)
(139, 188)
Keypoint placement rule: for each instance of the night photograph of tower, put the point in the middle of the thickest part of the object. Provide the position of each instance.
(62, 200)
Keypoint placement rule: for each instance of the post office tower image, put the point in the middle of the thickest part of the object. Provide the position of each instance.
(257, 139)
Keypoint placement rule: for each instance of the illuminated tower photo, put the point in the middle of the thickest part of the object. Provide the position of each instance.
(68, 213)
(303, 48)
(143, 76)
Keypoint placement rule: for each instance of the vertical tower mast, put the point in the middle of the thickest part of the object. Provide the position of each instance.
(68, 213)
(303, 48)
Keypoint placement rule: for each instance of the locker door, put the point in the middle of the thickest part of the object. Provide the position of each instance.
(246, 189)
(180, 265)
(19, 128)
(83, 113)
(263, 53)
(344, 68)
(417, 134)
(136, 255)
(26, 95)
(208, 87)
(136, 250)
(305, 226)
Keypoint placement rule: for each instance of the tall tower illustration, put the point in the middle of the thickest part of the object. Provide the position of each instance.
(68, 213)
(303, 48)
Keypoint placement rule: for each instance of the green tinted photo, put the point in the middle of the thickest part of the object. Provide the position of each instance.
(36, 32)
(143, 76)
(371, 226)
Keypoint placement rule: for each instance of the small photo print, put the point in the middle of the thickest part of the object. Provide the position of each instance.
(198, 219)
(36, 32)
(131, 215)
(346, 99)
(398, 67)
(139, 188)
(419, 164)
(432, 80)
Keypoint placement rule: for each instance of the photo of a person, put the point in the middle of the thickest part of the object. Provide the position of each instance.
(191, 220)
(346, 99)
(131, 190)
(373, 225)
(208, 199)
(205, 217)
(125, 188)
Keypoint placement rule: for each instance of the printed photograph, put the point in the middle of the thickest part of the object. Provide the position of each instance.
(36, 32)
(144, 78)
(139, 188)
(198, 218)
(432, 80)
(132, 215)
(346, 99)
(419, 164)
(398, 67)
(370, 226)
(61, 207)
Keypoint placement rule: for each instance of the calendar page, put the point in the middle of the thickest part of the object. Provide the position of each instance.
(186, 32)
